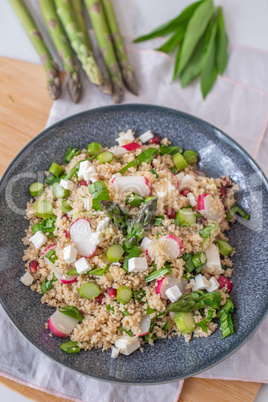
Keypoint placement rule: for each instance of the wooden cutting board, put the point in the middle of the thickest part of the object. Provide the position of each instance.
(24, 109)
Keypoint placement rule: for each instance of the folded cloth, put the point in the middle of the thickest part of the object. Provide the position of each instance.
(238, 104)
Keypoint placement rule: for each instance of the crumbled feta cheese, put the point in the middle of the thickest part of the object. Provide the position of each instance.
(103, 224)
(86, 171)
(96, 238)
(67, 184)
(213, 258)
(191, 199)
(127, 344)
(27, 279)
(145, 137)
(137, 264)
(70, 254)
(145, 244)
(87, 204)
(118, 151)
(82, 265)
(200, 283)
(180, 176)
(173, 293)
(128, 136)
(115, 353)
(38, 239)
(213, 284)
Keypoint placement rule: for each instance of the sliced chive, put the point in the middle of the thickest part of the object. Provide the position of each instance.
(109, 308)
(154, 172)
(158, 220)
(70, 347)
(150, 310)
(98, 271)
(51, 256)
(125, 313)
(129, 333)
(47, 285)
(135, 252)
(165, 327)
(188, 266)
(70, 153)
(235, 209)
(146, 156)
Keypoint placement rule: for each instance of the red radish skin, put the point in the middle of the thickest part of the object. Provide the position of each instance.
(112, 293)
(148, 253)
(33, 266)
(224, 281)
(54, 330)
(171, 213)
(184, 193)
(66, 279)
(200, 202)
(158, 286)
(132, 146)
(155, 140)
(148, 184)
(81, 183)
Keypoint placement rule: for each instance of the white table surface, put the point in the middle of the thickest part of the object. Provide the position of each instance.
(246, 23)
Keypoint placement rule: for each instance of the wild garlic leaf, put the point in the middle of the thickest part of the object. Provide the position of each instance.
(177, 64)
(209, 69)
(194, 66)
(222, 44)
(195, 29)
(174, 41)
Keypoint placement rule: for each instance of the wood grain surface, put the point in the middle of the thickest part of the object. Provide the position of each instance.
(24, 109)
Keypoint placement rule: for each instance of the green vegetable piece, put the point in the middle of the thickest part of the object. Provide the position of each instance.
(109, 308)
(125, 313)
(208, 231)
(56, 169)
(115, 253)
(117, 214)
(175, 40)
(98, 271)
(100, 193)
(94, 149)
(105, 157)
(235, 209)
(199, 259)
(154, 172)
(158, 220)
(179, 161)
(150, 310)
(47, 226)
(204, 323)
(166, 326)
(51, 179)
(146, 156)
(124, 294)
(60, 192)
(224, 247)
(195, 29)
(156, 274)
(129, 333)
(185, 322)
(72, 311)
(188, 266)
(149, 198)
(36, 189)
(194, 66)
(209, 70)
(134, 252)
(173, 170)
(195, 301)
(47, 285)
(51, 256)
(65, 207)
(89, 290)
(134, 199)
(139, 295)
(43, 209)
(72, 272)
(190, 156)
(222, 44)
(170, 150)
(185, 218)
(70, 153)
(70, 347)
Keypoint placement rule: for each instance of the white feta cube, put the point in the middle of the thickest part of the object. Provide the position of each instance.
(137, 264)
(38, 239)
(82, 265)
(118, 151)
(201, 282)
(191, 199)
(127, 344)
(27, 279)
(145, 137)
(67, 184)
(173, 293)
(70, 254)
(87, 204)
(145, 244)
(115, 353)
(96, 238)
(213, 284)
(103, 224)
(86, 171)
(128, 136)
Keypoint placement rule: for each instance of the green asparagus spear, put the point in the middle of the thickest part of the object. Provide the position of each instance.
(77, 6)
(62, 45)
(126, 69)
(195, 301)
(140, 225)
(84, 54)
(52, 72)
(117, 214)
(97, 17)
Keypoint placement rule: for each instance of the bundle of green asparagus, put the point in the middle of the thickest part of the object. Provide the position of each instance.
(67, 27)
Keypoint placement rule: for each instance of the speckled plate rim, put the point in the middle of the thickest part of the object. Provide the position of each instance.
(223, 137)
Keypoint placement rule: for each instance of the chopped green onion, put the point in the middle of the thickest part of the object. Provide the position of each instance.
(129, 333)
(47, 285)
(139, 295)
(166, 326)
(170, 150)
(115, 253)
(105, 157)
(56, 169)
(158, 220)
(70, 153)
(235, 209)
(100, 193)
(204, 323)
(72, 311)
(154, 172)
(135, 252)
(179, 162)
(65, 207)
(60, 192)
(156, 274)
(124, 294)
(43, 209)
(89, 290)
(150, 310)
(109, 308)
(185, 322)
(146, 156)
(45, 226)
(72, 272)
(188, 266)
(185, 217)
(51, 256)
(70, 347)
(36, 189)
(224, 247)
(224, 314)
(98, 271)
(94, 148)
(206, 233)
(134, 199)
(149, 198)
(199, 259)
(51, 179)
(190, 156)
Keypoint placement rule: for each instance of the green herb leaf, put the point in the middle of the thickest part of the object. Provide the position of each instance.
(235, 209)
(47, 285)
(129, 333)
(51, 256)
(146, 156)
(177, 63)
(109, 308)
(158, 220)
(139, 295)
(156, 274)
(222, 44)
(46, 226)
(72, 272)
(100, 193)
(72, 311)
(98, 271)
(134, 199)
(150, 310)
(70, 347)
(209, 70)
(175, 39)
(194, 66)
(165, 327)
(154, 172)
(188, 266)
(51, 179)
(135, 252)
(125, 313)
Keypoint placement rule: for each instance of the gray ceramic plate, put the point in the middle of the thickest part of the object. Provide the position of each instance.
(169, 359)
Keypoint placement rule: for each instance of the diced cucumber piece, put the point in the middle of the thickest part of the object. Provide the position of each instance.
(179, 162)
(36, 189)
(59, 191)
(185, 217)
(124, 294)
(185, 322)
(89, 290)
(224, 247)
(115, 253)
(43, 209)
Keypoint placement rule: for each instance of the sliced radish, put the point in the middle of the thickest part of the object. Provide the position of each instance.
(66, 279)
(61, 324)
(225, 281)
(145, 325)
(200, 202)
(211, 208)
(213, 258)
(118, 151)
(52, 247)
(81, 234)
(132, 146)
(187, 183)
(136, 184)
(145, 244)
(172, 244)
(167, 282)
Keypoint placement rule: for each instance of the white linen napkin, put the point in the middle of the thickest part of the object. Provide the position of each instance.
(238, 104)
